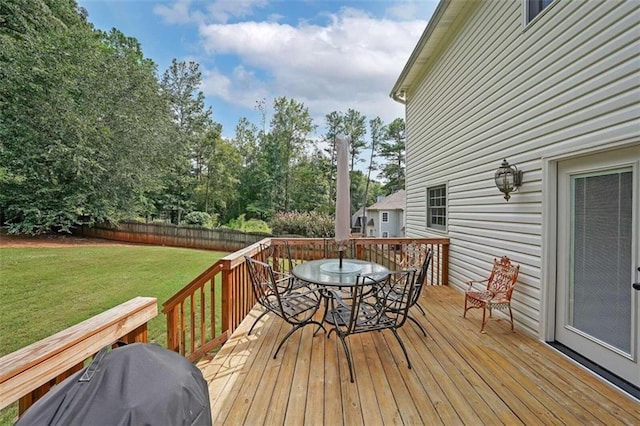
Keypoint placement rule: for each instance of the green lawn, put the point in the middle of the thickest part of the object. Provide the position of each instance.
(45, 290)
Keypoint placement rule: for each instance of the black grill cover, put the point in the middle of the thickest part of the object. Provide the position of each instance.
(137, 384)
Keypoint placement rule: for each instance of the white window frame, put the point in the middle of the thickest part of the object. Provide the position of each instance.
(385, 217)
(443, 209)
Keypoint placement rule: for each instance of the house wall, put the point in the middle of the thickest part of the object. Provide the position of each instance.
(392, 227)
(565, 84)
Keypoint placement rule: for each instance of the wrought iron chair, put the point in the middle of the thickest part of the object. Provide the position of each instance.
(417, 256)
(374, 306)
(420, 279)
(498, 291)
(274, 292)
(279, 258)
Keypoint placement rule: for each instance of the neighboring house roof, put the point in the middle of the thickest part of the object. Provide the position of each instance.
(430, 44)
(356, 218)
(395, 201)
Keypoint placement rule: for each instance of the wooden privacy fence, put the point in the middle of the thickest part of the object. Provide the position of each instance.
(27, 374)
(202, 315)
(163, 234)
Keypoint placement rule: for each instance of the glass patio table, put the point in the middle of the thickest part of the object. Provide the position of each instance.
(327, 272)
(328, 276)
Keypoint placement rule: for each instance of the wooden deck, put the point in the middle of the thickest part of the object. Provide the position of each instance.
(459, 376)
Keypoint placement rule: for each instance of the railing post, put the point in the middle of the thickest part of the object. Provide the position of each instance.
(445, 264)
(226, 301)
(172, 330)
(139, 335)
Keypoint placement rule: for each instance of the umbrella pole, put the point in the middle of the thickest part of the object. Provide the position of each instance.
(341, 256)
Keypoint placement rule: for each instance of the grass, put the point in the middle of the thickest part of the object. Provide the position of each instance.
(45, 290)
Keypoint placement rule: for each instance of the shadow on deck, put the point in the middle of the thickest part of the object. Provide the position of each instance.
(459, 376)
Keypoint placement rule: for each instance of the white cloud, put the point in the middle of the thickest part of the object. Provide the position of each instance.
(407, 10)
(221, 11)
(240, 88)
(178, 13)
(215, 83)
(352, 62)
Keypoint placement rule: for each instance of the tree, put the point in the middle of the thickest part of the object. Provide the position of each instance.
(354, 127)
(335, 126)
(393, 150)
(180, 83)
(70, 122)
(252, 189)
(290, 127)
(376, 130)
(221, 162)
(308, 192)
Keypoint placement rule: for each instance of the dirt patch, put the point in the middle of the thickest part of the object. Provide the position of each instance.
(54, 241)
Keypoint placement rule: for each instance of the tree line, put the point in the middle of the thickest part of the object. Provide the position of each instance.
(91, 133)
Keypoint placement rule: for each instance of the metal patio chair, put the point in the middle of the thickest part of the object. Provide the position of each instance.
(498, 291)
(279, 258)
(417, 256)
(419, 282)
(274, 292)
(375, 305)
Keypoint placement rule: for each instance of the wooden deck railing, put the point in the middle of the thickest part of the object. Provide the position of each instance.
(27, 374)
(202, 315)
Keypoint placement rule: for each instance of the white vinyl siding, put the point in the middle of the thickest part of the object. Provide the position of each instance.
(567, 84)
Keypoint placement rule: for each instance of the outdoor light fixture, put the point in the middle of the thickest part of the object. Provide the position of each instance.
(508, 178)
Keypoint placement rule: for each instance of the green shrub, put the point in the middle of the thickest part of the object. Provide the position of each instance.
(311, 225)
(251, 225)
(200, 219)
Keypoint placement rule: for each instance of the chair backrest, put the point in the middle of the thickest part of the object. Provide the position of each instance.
(421, 277)
(291, 262)
(381, 304)
(277, 256)
(503, 277)
(413, 256)
(262, 281)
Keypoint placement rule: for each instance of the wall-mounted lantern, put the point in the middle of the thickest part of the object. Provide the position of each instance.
(508, 178)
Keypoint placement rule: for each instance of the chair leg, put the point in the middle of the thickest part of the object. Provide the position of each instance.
(406, 355)
(347, 354)
(484, 321)
(511, 317)
(464, 314)
(421, 308)
(418, 324)
(293, 330)
(320, 326)
(256, 321)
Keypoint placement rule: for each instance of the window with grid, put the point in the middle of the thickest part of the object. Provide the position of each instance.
(437, 207)
(385, 217)
(534, 7)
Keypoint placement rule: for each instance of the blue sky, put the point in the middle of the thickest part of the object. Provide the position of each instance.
(330, 55)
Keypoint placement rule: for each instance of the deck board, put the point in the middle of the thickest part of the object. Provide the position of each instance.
(458, 376)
